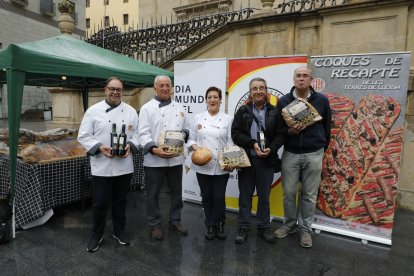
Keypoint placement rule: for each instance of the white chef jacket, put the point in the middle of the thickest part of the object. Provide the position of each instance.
(153, 120)
(214, 133)
(96, 127)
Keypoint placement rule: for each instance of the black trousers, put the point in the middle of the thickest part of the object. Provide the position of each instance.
(154, 177)
(259, 176)
(213, 195)
(104, 190)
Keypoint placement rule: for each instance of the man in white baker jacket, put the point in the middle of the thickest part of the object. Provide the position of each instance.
(111, 174)
(156, 116)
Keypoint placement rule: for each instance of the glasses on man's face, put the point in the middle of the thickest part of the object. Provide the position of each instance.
(258, 88)
(115, 89)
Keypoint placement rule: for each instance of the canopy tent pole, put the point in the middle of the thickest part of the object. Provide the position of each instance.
(85, 96)
(15, 83)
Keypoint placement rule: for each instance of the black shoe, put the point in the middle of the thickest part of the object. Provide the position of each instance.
(267, 235)
(220, 231)
(210, 234)
(241, 236)
(121, 238)
(94, 244)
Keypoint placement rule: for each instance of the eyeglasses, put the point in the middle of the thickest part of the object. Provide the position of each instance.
(114, 89)
(261, 88)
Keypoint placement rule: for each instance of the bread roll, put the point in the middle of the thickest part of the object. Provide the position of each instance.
(201, 156)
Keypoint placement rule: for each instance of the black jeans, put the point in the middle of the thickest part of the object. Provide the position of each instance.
(259, 176)
(213, 195)
(154, 177)
(105, 189)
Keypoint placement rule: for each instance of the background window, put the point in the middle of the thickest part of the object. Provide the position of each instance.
(126, 19)
(88, 3)
(106, 2)
(106, 23)
(88, 23)
(125, 1)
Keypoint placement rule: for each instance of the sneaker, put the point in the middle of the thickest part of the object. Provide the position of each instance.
(210, 234)
(266, 234)
(94, 244)
(220, 234)
(305, 239)
(284, 231)
(121, 238)
(241, 236)
(156, 233)
(178, 228)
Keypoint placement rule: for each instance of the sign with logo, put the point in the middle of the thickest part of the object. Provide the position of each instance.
(192, 78)
(360, 171)
(278, 73)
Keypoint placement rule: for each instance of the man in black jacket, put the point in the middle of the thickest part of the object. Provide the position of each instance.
(256, 129)
(302, 159)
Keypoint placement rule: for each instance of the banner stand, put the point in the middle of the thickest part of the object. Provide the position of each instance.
(364, 237)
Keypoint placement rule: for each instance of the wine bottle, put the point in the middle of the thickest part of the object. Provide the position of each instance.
(262, 142)
(122, 141)
(114, 140)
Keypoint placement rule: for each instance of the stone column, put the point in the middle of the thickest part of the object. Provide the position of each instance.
(67, 108)
(267, 4)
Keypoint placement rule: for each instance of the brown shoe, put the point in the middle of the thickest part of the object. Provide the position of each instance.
(156, 233)
(177, 227)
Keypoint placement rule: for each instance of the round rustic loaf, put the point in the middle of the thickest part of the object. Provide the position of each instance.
(201, 156)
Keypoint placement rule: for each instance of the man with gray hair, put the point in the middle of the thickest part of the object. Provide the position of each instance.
(157, 116)
(302, 159)
(256, 129)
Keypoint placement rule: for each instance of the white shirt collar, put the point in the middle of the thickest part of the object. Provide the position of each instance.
(296, 95)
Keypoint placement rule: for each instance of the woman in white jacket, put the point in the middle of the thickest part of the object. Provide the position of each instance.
(212, 129)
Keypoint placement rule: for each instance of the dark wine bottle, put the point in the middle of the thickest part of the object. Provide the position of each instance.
(122, 141)
(114, 140)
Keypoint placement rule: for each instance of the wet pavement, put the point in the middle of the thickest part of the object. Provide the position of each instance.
(59, 248)
(32, 125)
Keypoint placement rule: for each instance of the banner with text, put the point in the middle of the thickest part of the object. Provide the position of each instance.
(367, 94)
(191, 80)
(278, 73)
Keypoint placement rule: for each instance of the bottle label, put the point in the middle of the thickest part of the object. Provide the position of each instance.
(121, 142)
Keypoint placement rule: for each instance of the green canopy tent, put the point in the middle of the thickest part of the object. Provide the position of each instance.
(62, 61)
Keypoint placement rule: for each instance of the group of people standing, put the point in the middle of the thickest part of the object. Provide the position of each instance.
(257, 127)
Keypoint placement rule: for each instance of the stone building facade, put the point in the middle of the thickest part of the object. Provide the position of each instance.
(121, 13)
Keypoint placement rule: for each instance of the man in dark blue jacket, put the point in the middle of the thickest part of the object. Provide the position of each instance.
(302, 159)
(257, 128)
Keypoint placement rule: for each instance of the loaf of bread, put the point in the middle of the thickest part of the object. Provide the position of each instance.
(55, 134)
(174, 140)
(233, 156)
(52, 151)
(300, 111)
(26, 136)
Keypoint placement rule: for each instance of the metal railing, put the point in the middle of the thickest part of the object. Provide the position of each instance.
(156, 45)
(161, 43)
